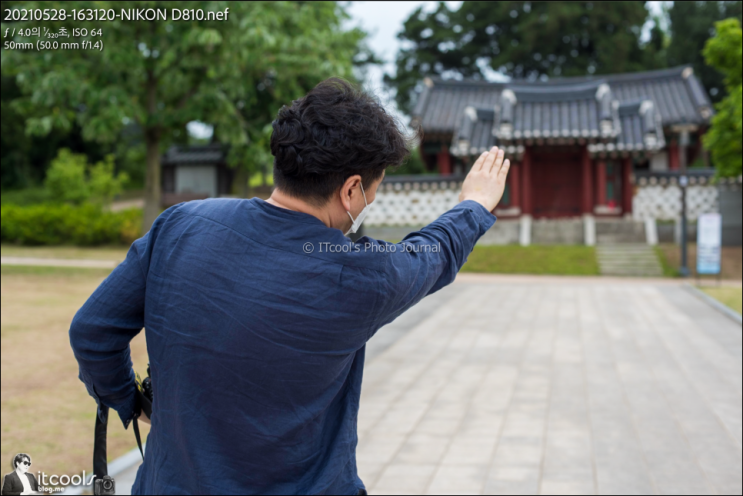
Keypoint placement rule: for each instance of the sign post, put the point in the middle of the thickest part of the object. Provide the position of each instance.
(684, 269)
(709, 244)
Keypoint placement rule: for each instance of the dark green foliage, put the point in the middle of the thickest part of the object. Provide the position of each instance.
(523, 40)
(725, 53)
(25, 197)
(412, 165)
(692, 24)
(25, 158)
(155, 77)
(86, 225)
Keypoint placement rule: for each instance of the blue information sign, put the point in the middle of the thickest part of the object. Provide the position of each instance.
(709, 241)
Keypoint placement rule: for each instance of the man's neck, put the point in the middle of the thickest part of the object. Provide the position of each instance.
(282, 200)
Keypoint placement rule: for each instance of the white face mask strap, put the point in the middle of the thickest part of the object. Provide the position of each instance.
(365, 202)
(363, 193)
(362, 214)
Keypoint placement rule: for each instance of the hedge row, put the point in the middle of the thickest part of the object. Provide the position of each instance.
(85, 225)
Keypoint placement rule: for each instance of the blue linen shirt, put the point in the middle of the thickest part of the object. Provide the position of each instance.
(256, 320)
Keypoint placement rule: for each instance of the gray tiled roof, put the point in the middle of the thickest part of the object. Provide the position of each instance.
(635, 126)
(439, 107)
(573, 110)
(676, 94)
(194, 155)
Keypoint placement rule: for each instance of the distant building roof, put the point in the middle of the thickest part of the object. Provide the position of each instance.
(677, 96)
(210, 154)
(586, 113)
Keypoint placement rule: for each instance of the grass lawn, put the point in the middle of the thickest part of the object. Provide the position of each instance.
(116, 253)
(731, 264)
(513, 259)
(732, 297)
(46, 410)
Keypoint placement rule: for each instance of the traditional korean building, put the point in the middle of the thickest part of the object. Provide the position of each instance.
(194, 173)
(574, 143)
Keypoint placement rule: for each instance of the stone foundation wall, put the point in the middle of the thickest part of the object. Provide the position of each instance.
(557, 232)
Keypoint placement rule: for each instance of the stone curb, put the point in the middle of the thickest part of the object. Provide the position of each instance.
(714, 303)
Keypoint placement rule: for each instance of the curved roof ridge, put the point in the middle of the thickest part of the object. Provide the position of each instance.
(622, 76)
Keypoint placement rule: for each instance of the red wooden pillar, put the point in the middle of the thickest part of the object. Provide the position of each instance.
(444, 161)
(526, 182)
(601, 182)
(514, 177)
(627, 185)
(587, 202)
(673, 155)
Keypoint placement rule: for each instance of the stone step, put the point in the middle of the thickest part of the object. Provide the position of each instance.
(606, 270)
(634, 253)
(637, 254)
(628, 259)
(633, 259)
(624, 247)
(630, 256)
(633, 274)
(624, 250)
(627, 263)
(629, 267)
(626, 255)
(630, 270)
(618, 240)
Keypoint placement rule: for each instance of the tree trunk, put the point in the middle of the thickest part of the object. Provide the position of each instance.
(152, 182)
(240, 183)
(152, 176)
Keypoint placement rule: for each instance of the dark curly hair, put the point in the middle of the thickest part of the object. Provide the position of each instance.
(330, 134)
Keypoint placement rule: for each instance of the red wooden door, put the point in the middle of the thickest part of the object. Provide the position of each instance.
(556, 183)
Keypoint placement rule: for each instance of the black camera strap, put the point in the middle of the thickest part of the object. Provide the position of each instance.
(100, 460)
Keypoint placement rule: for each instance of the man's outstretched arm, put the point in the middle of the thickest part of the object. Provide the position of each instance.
(437, 252)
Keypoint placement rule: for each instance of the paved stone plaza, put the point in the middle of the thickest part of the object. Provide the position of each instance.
(525, 385)
(556, 385)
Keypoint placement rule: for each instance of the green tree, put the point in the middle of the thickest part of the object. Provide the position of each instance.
(156, 76)
(104, 183)
(522, 40)
(691, 25)
(70, 179)
(65, 178)
(25, 158)
(724, 52)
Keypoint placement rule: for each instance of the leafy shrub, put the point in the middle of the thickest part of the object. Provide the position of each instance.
(65, 178)
(24, 197)
(104, 185)
(85, 225)
(70, 179)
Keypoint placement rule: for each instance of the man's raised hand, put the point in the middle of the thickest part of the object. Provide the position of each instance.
(486, 180)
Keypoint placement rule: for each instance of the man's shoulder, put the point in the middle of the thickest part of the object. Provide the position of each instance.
(212, 205)
(215, 209)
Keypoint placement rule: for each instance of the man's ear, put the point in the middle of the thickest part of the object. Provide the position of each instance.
(349, 189)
